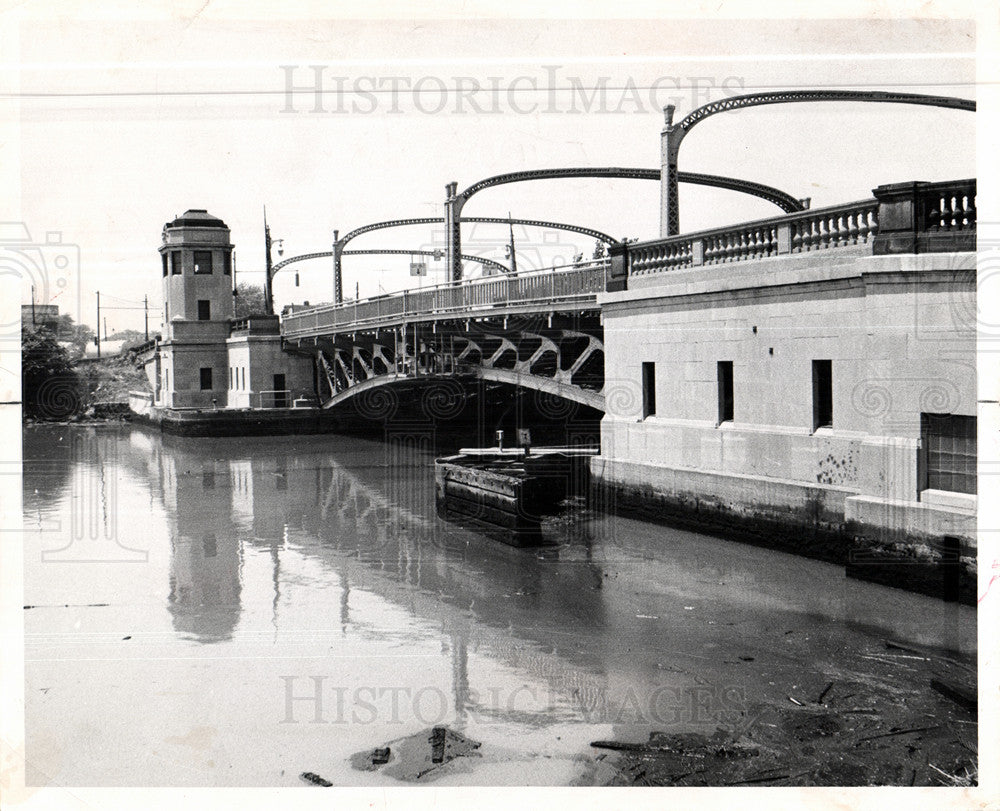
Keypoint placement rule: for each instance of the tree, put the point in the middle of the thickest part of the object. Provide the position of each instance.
(50, 388)
(600, 249)
(249, 300)
(80, 335)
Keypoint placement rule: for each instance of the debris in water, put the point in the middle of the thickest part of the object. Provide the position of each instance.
(965, 698)
(823, 694)
(418, 755)
(315, 779)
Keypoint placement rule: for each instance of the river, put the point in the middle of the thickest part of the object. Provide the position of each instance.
(234, 612)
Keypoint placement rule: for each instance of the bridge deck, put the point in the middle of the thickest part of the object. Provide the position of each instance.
(567, 288)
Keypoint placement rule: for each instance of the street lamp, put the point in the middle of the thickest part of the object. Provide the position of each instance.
(268, 269)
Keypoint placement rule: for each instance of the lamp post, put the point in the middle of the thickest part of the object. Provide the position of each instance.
(268, 265)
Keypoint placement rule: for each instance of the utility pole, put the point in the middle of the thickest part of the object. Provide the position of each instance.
(145, 304)
(33, 321)
(268, 302)
(268, 272)
(105, 328)
(97, 332)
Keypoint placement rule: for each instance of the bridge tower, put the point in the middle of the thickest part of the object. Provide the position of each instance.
(196, 257)
(196, 262)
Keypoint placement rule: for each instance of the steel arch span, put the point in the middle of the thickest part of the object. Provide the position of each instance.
(673, 134)
(386, 251)
(564, 361)
(339, 242)
(455, 200)
(571, 393)
(563, 226)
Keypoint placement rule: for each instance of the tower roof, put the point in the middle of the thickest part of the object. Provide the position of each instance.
(197, 218)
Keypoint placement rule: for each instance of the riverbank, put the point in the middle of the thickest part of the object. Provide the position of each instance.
(943, 567)
(905, 722)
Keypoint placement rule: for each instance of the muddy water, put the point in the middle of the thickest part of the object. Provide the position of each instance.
(231, 612)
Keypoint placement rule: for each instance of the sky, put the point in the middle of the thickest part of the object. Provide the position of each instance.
(123, 124)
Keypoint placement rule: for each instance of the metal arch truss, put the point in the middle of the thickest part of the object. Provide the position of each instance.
(340, 241)
(346, 371)
(673, 134)
(304, 257)
(456, 200)
(785, 201)
(783, 97)
(375, 251)
(491, 263)
(562, 226)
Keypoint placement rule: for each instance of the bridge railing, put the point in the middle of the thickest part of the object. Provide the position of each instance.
(557, 285)
(900, 218)
(814, 230)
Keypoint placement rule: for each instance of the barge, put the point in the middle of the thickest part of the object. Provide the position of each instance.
(509, 490)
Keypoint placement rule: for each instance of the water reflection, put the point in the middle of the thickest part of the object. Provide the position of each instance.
(335, 539)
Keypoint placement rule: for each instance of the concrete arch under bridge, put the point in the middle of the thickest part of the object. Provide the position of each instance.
(561, 357)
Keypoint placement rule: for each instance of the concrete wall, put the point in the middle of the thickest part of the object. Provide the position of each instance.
(254, 360)
(182, 363)
(900, 333)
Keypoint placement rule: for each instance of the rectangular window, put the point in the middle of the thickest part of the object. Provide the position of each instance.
(206, 378)
(202, 262)
(648, 389)
(175, 263)
(204, 310)
(227, 264)
(243, 375)
(230, 377)
(725, 375)
(948, 452)
(163, 257)
(822, 394)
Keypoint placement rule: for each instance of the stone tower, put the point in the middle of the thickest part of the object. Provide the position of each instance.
(192, 368)
(196, 257)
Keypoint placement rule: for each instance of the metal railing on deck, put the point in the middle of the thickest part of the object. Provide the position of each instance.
(559, 285)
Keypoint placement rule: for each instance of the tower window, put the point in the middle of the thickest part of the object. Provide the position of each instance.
(202, 262)
(163, 257)
(725, 376)
(206, 378)
(175, 263)
(648, 389)
(204, 310)
(227, 263)
(822, 394)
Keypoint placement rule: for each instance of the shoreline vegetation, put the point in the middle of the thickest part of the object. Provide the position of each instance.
(59, 385)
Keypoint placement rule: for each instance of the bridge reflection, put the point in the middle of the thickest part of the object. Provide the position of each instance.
(328, 538)
(368, 519)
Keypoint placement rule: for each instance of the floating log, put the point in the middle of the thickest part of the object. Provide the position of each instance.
(963, 696)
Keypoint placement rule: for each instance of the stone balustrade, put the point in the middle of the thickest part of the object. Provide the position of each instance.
(914, 217)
